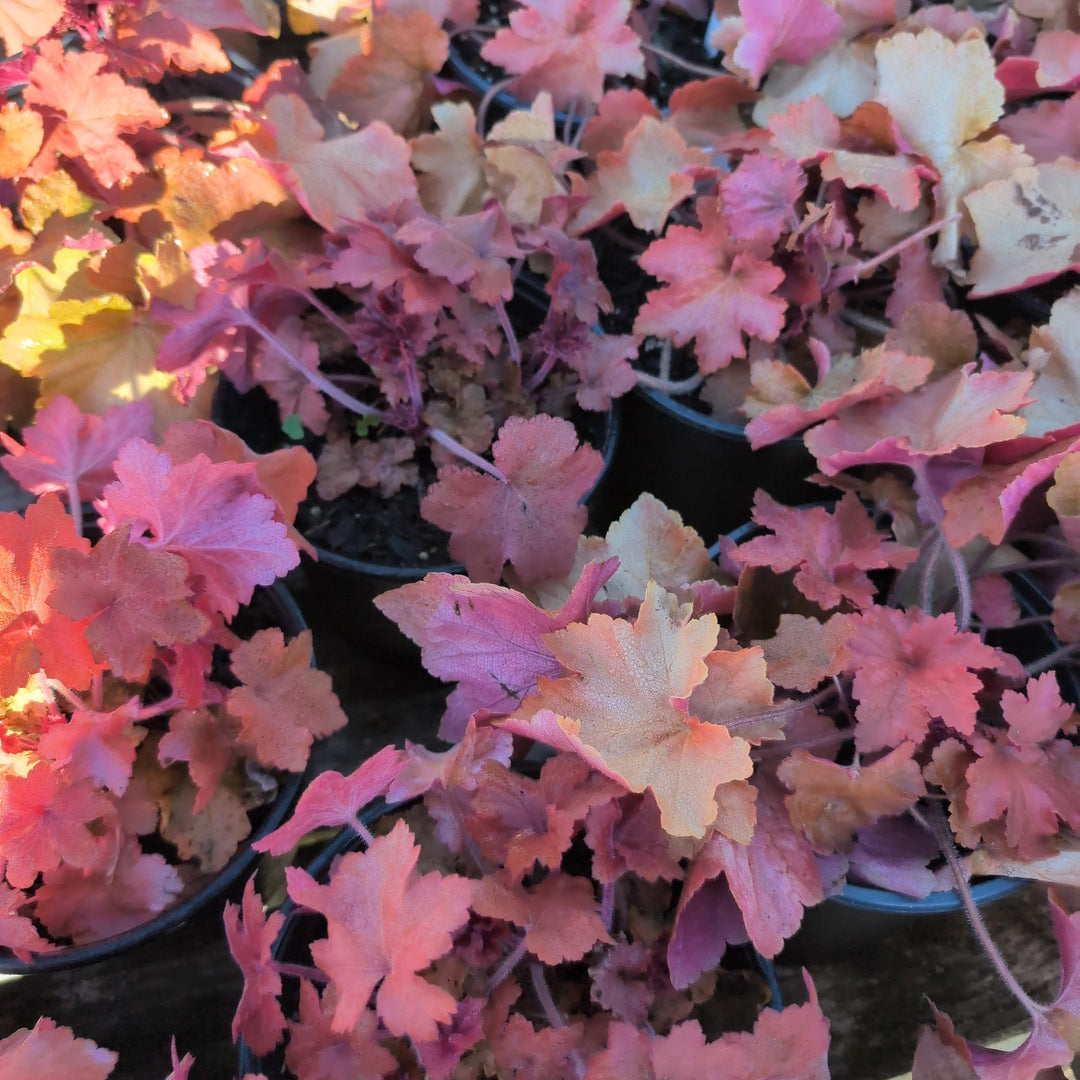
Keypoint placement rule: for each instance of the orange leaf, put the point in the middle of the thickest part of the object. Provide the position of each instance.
(92, 109)
(626, 707)
(830, 801)
(284, 702)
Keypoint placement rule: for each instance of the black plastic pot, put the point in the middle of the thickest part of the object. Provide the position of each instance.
(271, 606)
(337, 590)
(300, 927)
(870, 908)
(701, 467)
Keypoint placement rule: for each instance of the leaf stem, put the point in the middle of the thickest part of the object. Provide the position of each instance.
(783, 710)
(1052, 659)
(845, 275)
(674, 388)
(543, 995)
(948, 849)
(679, 62)
(502, 972)
(607, 905)
(493, 91)
(963, 584)
(508, 331)
(342, 397)
(300, 971)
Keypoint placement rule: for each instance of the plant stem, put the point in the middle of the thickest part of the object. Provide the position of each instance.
(493, 92)
(844, 275)
(363, 832)
(331, 316)
(782, 710)
(502, 972)
(508, 330)
(342, 397)
(668, 386)
(316, 378)
(937, 512)
(865, 322)
(301, 971)
(948, 849)
(451, 444)
(607, 905)
(551, 1011)
(679, 62)
(926, 592)
(1051, 660)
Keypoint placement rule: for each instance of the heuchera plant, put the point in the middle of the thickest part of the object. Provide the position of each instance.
(831, 708)
(50, 1052)
(508, 925)
(130, 709)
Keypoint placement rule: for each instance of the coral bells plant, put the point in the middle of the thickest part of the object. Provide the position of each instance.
(141, 721)
(502, 925)
(845, 700)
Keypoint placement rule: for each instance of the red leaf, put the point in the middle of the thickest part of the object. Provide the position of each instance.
(717, 290)
(486, 638)
(829, 552)
(285, 475)
(43, 820)
(119, 891)
(97, 746)
(87, 110)
(534, 519)
(71, 452)
(782, 402)
(133, 599)
(317, 1051)
(567, 47)
(386, 923)
(471, 250)
(32, 635)
(831, 802)
(962, 409)
(912, 668)
(214, 514)
(48, 1052)
(333, 799)
(559, 915)
(18, 932)
(284, 702)
(773, 878)
(199, 737)
(760, 196)
(258, 1016)
(518, 822)
(794, 1042)
(448, 779)
(23, 22)
(793, 30)
(339, 180)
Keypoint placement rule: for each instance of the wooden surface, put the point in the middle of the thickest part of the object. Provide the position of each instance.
(872, 979)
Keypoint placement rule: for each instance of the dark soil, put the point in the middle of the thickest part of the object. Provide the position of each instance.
(361, 524)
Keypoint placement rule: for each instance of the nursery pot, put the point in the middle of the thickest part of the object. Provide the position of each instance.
(858, 913)
(272, 606)
(294, 938)
(335, 590)
(700, 466)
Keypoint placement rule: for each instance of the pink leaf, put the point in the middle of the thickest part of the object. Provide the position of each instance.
(213, 514)
(486, 638)
(71, 452)
(534, 518)
(333, 799)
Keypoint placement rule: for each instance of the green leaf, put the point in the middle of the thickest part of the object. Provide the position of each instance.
(293, 427)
